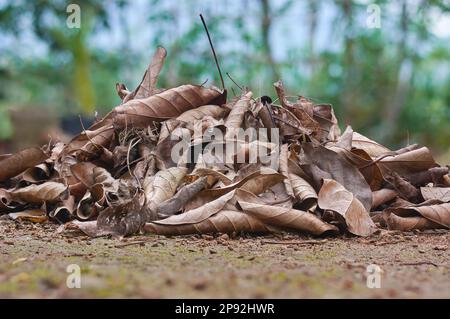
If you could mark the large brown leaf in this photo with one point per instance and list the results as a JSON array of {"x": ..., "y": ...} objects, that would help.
[
  {"x": 49, "y": 192},
  {"x": 333, "y": 196},
  {"x": 438, "y": 213},
  {"x": 395, "y": 222},
  {"x": 199, "y": 214},
  {"x": 408, "y": 163},
  {"x": 19, "y": 162},
  {"x": 165, "y": 105},
  {"x": 340, "y": 170},
  {"x": 288, "y": 218},
  {"x": 225, "y": 221}
]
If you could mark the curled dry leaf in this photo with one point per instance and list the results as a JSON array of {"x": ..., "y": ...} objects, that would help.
[
  {"x": 49, "y": 192},
  {"x": 39, "y": 173},
  {"x": 236, "y": 116},
  {"x": 288, "y": 218},
  {"x": 199, "y": 214},
  {"x": 175, "y": 204},
  {"x": 225, "y": 221},
  {"x": 382, "y": 196},
  {"x": 438, "y": 213},
  {"x": 163, "y": 185},
  {"x": 333, "y": 196},
  {"x": 303, "y": 192},
  {"x": 410, "y": 223},
  {"x": 19, "y": 162}
]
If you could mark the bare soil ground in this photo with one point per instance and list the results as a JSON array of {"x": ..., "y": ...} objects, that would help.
[{"x": 34, "y": 260}]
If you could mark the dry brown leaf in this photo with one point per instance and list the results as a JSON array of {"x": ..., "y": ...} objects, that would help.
[
  {"x": 440, "y": 193},
  {"x": 200, "y": 113},
  {"x": 199, "y": 214},
  {"x": 163, "y": 185},
  {"x": 382, "y": 196},
  {"x": 49, "y": 192},
  {"x": 165, "y": 105},
  {"x": 19, "y": 162},
  {"x": 288, "y": 218},
  {"x": 225, "y": 221},
  {"x": 175, "y": 204},
  {"x": 410, "y": 162},
  {"x": 236, "y": 116},
  {"x": 284, "y": 170},
  {"x": 371, "y": 147},
  {"x": 438, "y": 213},
  {"x": 303, "y": 192},
  {"x": 395, "y": 222},
  {"x": 332, "y": 165},
  {"x": 333, "y": 196},
  {"x": 37, "y": 174}
]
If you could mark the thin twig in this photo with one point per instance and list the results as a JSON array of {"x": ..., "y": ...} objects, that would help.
[
  {"x": 213, "y": 51},
  {"x": 89, "y": 138},
  {"x": 232, "y": 80}
]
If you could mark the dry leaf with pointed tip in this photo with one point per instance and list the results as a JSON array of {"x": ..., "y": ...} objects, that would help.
[
  {"x": 17, "y": 163},
  {"x": 236, "y": 116},
  {"x": 147, "y": 87},
  {"x": 408, "y": 163},
  {"x": 199, "y": 214},
  {"x": 165, "y": 105},
  {"x": 50, "y": 192},
  {"x": 437, "y": 213},
  {"x": 333, "y": 196},
  {"x": 410, "y": 223},
  {"x": 371, "y": 147},
  {"x": 288, "y": 218},
  {"x": 225, "y": 221},
  {"x": 440, "y": 193},
  {"x": 163, "y": 185}
]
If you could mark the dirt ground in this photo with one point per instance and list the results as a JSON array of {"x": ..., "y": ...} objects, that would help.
[{"x": 34, "y": 261}]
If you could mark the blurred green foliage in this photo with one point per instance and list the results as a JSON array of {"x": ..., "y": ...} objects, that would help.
[{"x": 390, "y": 83}]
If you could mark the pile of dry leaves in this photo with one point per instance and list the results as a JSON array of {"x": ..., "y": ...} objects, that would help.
[{"x": 120, "y": 176}]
